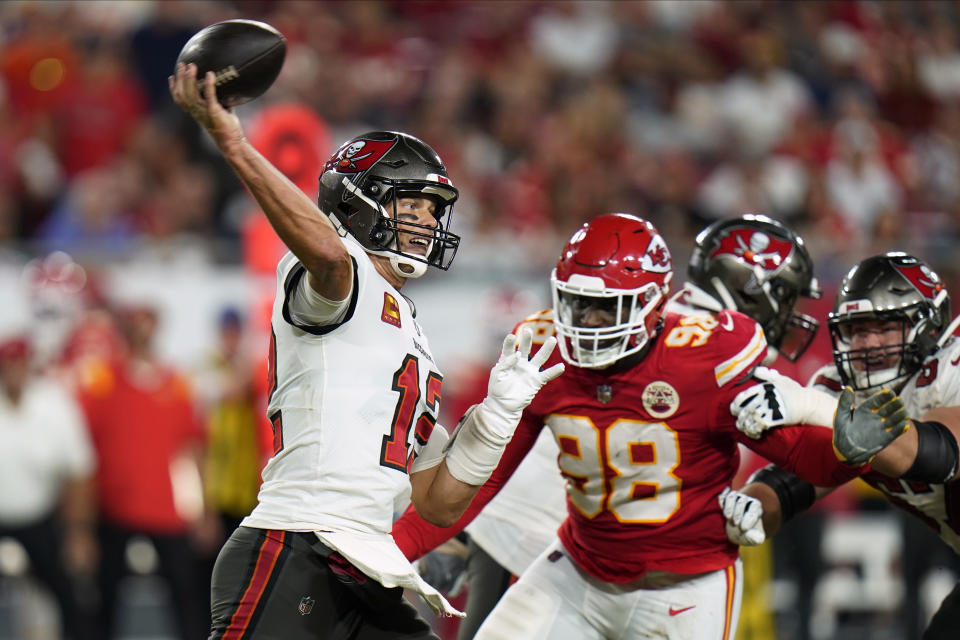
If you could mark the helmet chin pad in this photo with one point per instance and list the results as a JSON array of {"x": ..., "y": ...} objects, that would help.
[{"x": 407, "y": 266}]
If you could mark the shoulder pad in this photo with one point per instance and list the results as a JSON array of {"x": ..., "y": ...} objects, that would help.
[
  {"x": 729, "y": 342},
  {"x": 541, "y": 323}
]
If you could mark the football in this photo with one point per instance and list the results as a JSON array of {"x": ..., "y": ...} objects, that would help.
[{"x": 245, "y": 55}]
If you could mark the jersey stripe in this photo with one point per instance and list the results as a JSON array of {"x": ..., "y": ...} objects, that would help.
[
  {"x": 728, "y": 609},
  {"x": 730, "y": 369},
  {"x": 273, "y": 544}
]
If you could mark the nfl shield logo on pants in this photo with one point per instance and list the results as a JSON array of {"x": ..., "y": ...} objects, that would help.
[{"x": 306, "y": 605}]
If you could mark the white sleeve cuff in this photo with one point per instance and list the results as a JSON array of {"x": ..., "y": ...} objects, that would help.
[{"x": 310, "y": 308}]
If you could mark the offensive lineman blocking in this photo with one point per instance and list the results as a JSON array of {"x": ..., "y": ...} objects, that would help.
[{"x": 891, "y": 326}]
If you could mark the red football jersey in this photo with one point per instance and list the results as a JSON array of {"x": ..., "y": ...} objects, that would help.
[{"x": 647, "y": 450}]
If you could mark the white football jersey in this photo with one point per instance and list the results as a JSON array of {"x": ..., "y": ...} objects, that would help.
[
  {"x": 350, "y": 404},
  {"x": 936, "y": 384}
]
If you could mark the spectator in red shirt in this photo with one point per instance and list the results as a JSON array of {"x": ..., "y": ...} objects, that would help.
[{"x": 145, "y": 432}]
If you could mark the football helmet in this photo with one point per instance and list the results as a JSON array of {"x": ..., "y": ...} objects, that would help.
[
  {"x": 371, "y": 171},
  {"x": 759, "y": 267},
  {"x": 908, "y": 297},
  {"x": 616, "y": 267}
]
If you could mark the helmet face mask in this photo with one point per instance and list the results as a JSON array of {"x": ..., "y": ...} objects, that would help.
[
  {"x": 360, "y": 188},
  {"x": 899, "y": 298},
  {"x": 757, "y": 266},
  {"x": 869, "y": 367},
  {"x": 609, "y": 290}
]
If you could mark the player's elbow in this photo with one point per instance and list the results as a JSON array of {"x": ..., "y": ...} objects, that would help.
[
  {"x": 442, "y": 520},
  {"x": 439, "y": 515}
]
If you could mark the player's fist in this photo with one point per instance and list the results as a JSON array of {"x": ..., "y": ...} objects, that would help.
[{"x": 743, "y": 514}]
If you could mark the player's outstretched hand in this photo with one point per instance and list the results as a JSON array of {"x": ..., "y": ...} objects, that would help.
[
  {"x": 860, "y": 432},
  {"x": 744, "y": 518},
  {"x": 515, "y": 380},
  {"x": 202, "y": 104},
  {"x": 779, "y": 401}
]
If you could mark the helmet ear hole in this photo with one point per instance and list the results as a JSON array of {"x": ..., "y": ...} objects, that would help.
[{"x": 380, "y": 236}]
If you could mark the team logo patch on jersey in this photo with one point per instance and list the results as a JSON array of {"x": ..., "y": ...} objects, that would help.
[
  {"x": 306, "y": 605},
  {"x": 660, "y": 399},
  {"x": 391, "y": 310}
]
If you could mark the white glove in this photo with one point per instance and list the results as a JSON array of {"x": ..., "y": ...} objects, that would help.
[
  {"x": 779, "y": 401},
  {"x": 515, "y": 380},
  {"x": 477, "y": 443},
  {"x": 744, "y": 525}
]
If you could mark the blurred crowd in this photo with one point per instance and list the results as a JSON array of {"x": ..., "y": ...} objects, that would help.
[
  {"x": 840, "y": 118},
  {"x": 103, "y": 443}
]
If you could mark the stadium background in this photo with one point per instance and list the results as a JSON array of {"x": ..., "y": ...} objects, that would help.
[{"x": 841, "y": 119}]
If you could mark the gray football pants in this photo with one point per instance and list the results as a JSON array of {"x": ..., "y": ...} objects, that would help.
[{"x": 271, "y": 584}]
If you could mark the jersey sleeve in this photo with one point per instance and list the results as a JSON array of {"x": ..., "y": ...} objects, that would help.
[
  {"x": 946, "y": 375},
  {"x": 806, "y": 451},
  {"x": 727, "y": 347},
  {"x": 540, "y": 324},
  {"x": 739, "y": 347},
  {"x": 415, "y": 536},
  {"x": 291, "y": 274}
]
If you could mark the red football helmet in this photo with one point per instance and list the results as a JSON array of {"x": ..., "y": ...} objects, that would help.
[{"x": 609, "y": 289}]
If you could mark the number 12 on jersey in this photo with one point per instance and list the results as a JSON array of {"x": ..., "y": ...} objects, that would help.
[{"x": 406, "y": 381}]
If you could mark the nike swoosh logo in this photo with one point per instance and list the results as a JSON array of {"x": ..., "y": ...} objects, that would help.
[
  {"x": 727, "y": 324},
  {"x": 674, "y": 612},
  {"x": 955, "y": 361}
]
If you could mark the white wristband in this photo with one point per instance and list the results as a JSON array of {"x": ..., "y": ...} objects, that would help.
[
  {"x": 474, "y": 449},
  {"x": 820, "y": 408}
]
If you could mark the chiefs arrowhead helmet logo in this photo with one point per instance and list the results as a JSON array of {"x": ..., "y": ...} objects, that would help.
[{"x": 657, "y": 257}]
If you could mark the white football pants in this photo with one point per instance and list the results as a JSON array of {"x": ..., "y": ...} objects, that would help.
[{"x": 555, "y": 600}]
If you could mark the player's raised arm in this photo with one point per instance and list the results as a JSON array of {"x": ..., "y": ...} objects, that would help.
[{"x": 301, "y": 226}]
